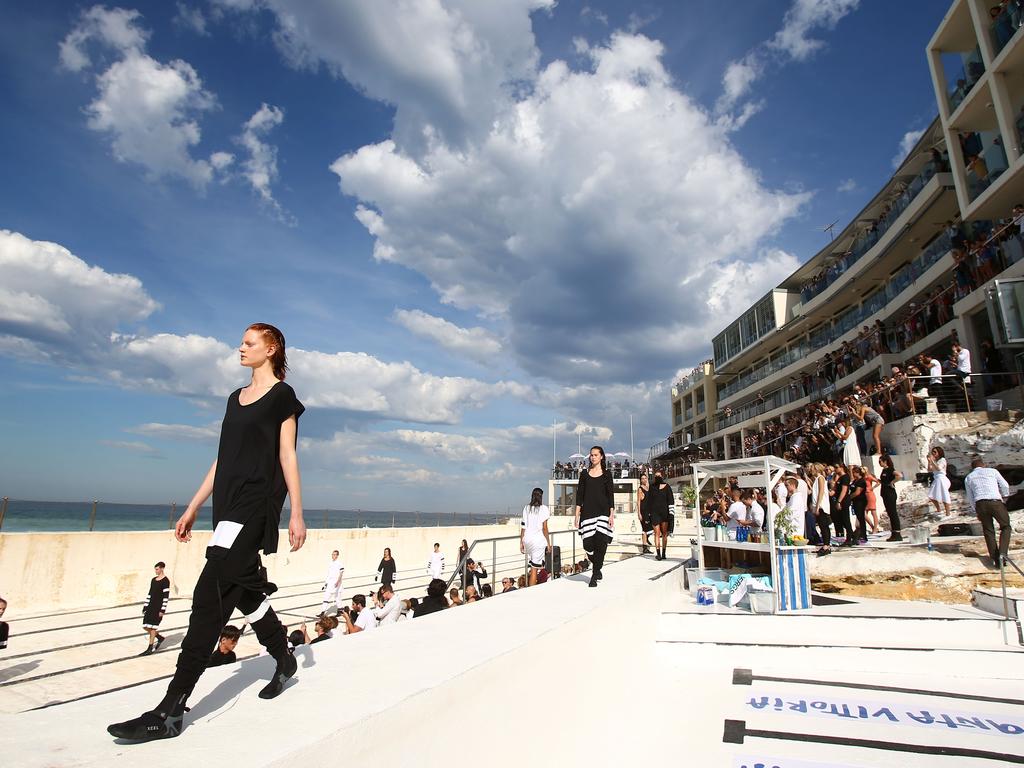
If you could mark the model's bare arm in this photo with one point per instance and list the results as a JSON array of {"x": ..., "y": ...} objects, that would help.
[
  {"x": 183, "y": 528},
  {"x": 290, "y": 467}
]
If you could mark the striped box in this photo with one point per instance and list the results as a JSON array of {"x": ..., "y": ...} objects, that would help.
[{"x": 794, "y": 585}]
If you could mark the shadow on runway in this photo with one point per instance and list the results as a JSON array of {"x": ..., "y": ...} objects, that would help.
[
  {"x": 18, "y": 669},
  {"x": 252, "y": 673}
]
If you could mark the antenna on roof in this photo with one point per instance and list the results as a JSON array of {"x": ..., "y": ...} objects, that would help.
[{"x": 829, "y": 229}]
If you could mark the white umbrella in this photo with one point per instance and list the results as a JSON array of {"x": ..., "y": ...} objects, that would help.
[
  {"x": 623, "y": 455},
  {"x": 577, "y": 456}
]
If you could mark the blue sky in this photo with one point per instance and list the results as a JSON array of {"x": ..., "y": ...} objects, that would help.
[{"x": 471, "y": 220}]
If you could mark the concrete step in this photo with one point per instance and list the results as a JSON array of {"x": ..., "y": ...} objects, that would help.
[{"x": 905, "y": 632}]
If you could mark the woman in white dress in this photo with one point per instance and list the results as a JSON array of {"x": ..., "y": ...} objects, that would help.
[
  {"x": 939, "y": 492},
  {"x": 851, "y": 453}
]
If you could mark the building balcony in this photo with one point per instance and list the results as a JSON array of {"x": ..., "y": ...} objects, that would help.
[
  {"x": 918, "y": 193},
  {"x": 789, "y": 363}
]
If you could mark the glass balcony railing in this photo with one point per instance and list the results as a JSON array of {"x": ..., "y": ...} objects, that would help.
[
  {"x": 852, "y": 318},
  {"x": 700, "y": 408},
  {"x": 1005, "y": 23},
  {"x": 965, "y": 80},
  {"x": 986, "y": 161},
  {"x": 865, "y": 242}
]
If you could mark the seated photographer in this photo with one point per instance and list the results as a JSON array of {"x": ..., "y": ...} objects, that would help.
[
  {"x": 358, "y": 618},
  {"x": 225, "y": 652}
]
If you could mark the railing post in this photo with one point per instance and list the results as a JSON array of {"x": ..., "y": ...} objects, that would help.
[
  {"x": 1002, "y": 581},
  {"x": 494, "y": 561},
  {"x": 92, "y": 516},
  {"x": 171, "y": 515},
  {"x": 325, "y": 518},
  {"x": 3, "y": 511}
]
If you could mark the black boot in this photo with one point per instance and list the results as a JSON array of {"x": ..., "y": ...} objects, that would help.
[
  {"x": 895, "y": 536},
  {"x": 159, "y": 641},
  {"x": 149, "y": 650},
  {"x": 593, "y": 579},
  {"x": 164, "y": 722},
  {"x": 286, "y": 667}
]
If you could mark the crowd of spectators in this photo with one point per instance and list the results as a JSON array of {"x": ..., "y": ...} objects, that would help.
[
  {"x": 571, "y": 470},
  {"x": 980, "y": 252}
]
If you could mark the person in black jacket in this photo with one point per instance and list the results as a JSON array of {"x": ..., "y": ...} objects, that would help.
[
  {"x": 660, "y": 504},
  {"x": 595, "y": 511},
  {"x": 475, "y": 574},
  {"x": 434, "y": 601},
  {"x": 387, "y": 569}
]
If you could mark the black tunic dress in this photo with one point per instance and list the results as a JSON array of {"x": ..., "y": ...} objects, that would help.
[
  {"x": 595, "y": 497},
  {"x": 249, "y": 483},
  {"x": 387, "y": 569},
  {"x": 156, "y": 602}
]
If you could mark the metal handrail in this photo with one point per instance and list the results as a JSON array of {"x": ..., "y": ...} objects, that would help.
[
  {"x": 461, "y": 566},
  {"x": 1003, "y": 560}
]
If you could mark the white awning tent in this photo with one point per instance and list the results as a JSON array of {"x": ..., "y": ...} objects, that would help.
[{"x": 754, "y": 472}]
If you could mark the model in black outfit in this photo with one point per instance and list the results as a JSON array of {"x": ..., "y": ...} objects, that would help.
[
  {"x": 660, "y": 504},
  {"x": 595, "y": 511},
  {"x": 255, "y": 469},
  {"x": 155, "y": 607},
  {"x": 887, "y": 479},
  {"x": 387, "y": 569}
]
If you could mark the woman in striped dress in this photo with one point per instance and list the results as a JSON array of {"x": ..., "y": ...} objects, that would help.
[{"x": 595, "y": 511}]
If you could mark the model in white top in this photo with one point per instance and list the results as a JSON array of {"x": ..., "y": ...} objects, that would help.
[
  {"x": 534, "y": 539},
  {"x": 332, "y": 584},
  {"x": 851, "y": 452},
  {"x": 939, "y": 492},
  {"x": 435, "y": 565}
]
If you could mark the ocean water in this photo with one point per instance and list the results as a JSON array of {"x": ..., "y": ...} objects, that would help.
[{"x": 29, "y": 516}]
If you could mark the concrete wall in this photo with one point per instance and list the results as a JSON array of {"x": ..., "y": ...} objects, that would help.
[{"x": 43, "y": 571}]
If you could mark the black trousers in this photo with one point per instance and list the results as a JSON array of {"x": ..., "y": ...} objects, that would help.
[
  {"x": 889, "y": 499},
  {"x": 234, "y": 579},
  {"x": 596, "y": 549},
  {"x": 841, "y": 519},
  {"x": 824, "y": 521},
  {"x": 990, "y": 511},
  {"x": 862, "y": 529}
]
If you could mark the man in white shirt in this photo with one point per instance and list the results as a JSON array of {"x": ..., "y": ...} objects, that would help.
[
  {"x": 755, "y": 512},
  {"x": 389, "y": 612},
  {"x": 737, "y": 514},
  {"x": 435, "y": 565},
  {"x": 986, "y": 492},
  {"x": 332, "y": 585},
  {"x": 963, "y": 362},
  {"x": 364, "y": 619},
  {"x": 798, "y": 505}
]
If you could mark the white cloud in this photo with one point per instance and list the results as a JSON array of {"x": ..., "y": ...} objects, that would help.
[
  {"x": 116, "y": 28},
  {"x": 847, "y": 185},
  {"x": 907, "y": 143},
  {"x": 577, "y": 220},
  {"x": 146, "y": 107},
  {"x": 442, "y": 64},
  {"x": 474, "y": 343},
  {"x": 792, "y": 42},
  {"x": 134, "y": 446},
  {"x": 804, "y": 18},
  {"x": 260, "y": 167},
  {"x": 53, "y": 302},
  {"x": 191, "y": 18},
  {"x": 206, "y": 433}
]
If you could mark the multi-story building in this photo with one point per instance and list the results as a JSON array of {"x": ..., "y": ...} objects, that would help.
[{"x": 871, "y": 287}]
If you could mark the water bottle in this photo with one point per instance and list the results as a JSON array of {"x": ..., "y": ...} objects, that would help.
[{"x": 930, "y": 547}]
